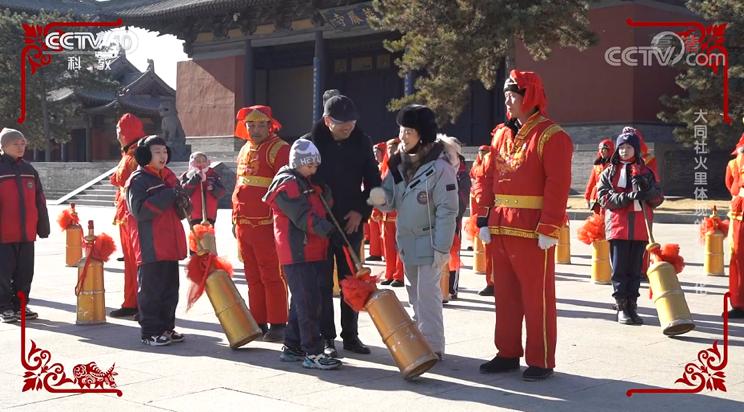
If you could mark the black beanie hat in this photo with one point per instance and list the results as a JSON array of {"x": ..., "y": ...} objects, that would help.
[
  {"x": 421, "y": 118},
  {"x": 631, "y": 139}
]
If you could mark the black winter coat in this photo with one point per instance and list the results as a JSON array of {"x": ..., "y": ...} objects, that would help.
[{"x": 345, "y": 166}]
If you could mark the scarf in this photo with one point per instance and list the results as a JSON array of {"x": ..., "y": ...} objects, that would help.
[{"x": 624, "y": 182}]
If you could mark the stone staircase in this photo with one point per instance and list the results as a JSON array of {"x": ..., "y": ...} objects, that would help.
[{"x": 102, "y": 193}]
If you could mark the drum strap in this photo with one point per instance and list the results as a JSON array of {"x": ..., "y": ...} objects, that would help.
[{"x": 83, "y": 275}]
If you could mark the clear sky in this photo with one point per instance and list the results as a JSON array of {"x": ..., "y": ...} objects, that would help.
[{"x": 164, "y": 50}]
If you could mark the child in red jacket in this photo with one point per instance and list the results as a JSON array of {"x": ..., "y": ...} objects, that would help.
[
  {"x": 211, "y": 185},
  {"x": 302, "y": 234},
  {"x": 158, "y": 204},
  {"x": 23, "y": 216},
  {"x": 627, "y": 189}
]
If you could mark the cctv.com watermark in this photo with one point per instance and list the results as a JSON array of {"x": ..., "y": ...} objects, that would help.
[{"x": 666, "y": 49}]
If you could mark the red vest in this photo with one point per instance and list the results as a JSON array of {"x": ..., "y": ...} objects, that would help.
[{"x": 257, "y": 165}]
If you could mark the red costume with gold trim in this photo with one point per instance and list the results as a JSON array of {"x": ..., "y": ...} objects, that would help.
[
  {"x": 257, "y": 165},
  {"x": 734, "y": 180},
  {"x": 525, "y": 190},
  {"x": 600, "y": 164},
  {"x": 477, "y": 179},
  {"x": 129, "y": 132},
  {"x": 393, "y": 263}
]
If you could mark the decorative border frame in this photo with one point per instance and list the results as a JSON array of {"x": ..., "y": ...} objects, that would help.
[
  {"x": 34, "y": 50},
  {"x": 708, "y": 372},
  {"x": 42, "y": 374}
]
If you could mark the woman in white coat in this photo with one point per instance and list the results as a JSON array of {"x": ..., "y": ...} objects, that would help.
[{"x": 422, "y": 188}]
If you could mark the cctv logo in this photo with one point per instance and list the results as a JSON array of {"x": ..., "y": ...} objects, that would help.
[
  {"x": 73, "y": 41},
  {"x": 667, "y": 48}
]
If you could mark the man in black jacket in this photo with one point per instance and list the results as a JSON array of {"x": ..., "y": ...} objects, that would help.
[{"x": 348, "y": 162}]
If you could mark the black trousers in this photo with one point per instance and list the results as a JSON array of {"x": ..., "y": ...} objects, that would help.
[
  {"x": 303, "y": 329},
  {"x": 16, "y": 273},
  {"x": 627, "y": 261},
  {"x": 349, "y": 318},
  {"x": 157, "y": 297}
]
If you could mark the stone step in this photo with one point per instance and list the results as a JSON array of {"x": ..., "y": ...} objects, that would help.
[{"x": 106, "y": 197}]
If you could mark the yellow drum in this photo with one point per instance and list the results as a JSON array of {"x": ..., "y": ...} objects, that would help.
[
  {"x": 713, "y": 264},
  {"x": 411, "y": 352},
  {"x": 671, "y": 306},
  {"x": 479, "y": 257},
  {"x": 563, "y": 249},
  {"x": 601, "y": 269},
  {"x": 74, "y": 245},
  {"x": 91, "y": 301},
  {"x": 231, "y": 310}
]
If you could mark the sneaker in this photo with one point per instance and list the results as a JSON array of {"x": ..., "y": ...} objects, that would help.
[
  {"x": 9, "y": 316},
  {"x": 386, "y": 282},
  {"x": 123, "y": 312},
  {"x": 292, "y": 354},
  {"x": 174, "y": 336},
  {"x": 30, "y": 314},
  {"x": 162, "y": 340},
  {"x": 329, "y": 348},
  {"x": 275, "y": 333},
  {"x": 397, "y": 284},
  {"x": 487, "y": 291},
  {"x": 534, "y": 373},
  {"x": 320, "y": 361}
]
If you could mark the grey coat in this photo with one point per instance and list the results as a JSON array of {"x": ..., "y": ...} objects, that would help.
[{"x": 427, "y": 205}]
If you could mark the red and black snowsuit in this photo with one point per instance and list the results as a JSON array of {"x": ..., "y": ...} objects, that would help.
[
  {"x": 23, "y": 215},
  {"x": 159, "y": 243},
  {"x": 301, "y": 234}
]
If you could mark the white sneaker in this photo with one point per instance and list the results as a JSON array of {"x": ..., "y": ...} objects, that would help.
[{"x": 320, "y": 361}]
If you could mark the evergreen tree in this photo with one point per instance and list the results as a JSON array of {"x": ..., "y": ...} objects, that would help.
[
  {"x": 704, "y": 89},
  {"x": 451, "y": 43}
]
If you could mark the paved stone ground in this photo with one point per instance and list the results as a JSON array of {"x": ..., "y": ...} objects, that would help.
[{"x": 598, "y": 360}]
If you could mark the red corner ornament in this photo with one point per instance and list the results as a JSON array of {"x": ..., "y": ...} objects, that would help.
[
  {"x": 707, "y": 372},
  {"x": 709, "y": 41},
  {"x": 42, "y": 374},
  {"x": 35, "y": 49}
]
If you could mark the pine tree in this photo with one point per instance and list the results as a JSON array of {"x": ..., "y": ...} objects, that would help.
[
  {"x": 451, "y": 43},
  {"x": 704, "y": 89}
]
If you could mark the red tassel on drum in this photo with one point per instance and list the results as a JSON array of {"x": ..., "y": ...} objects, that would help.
[
  {"x": 668, "y": 253},
  {"x": 198, "y": 231},
  {"x": 67, "y": 218},
  {"x": 103, "y": 247},
  {"x": 592, "y": 229},
  {"x": 711, "y": 224},
  {"x": 357, "y": 290}
]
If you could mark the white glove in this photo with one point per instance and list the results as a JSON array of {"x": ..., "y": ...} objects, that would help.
[
  {"x": 484, "y": 234},
  {"x": 440, "y": 259},
  {"x": 376, "y": 197},
  {"x": 546, "y": 242}
]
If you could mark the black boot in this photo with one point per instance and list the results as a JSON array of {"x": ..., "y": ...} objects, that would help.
[
  {"x": 623, "y": 313},
  {"x": 633, "y": 309},
  {"x": 275, "y": 333},
  {"x": 736, "y": 313}
]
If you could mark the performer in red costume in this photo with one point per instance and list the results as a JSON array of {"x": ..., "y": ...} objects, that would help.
[
  {"x": 477, "y": 174},
  {"x": 734, "y": 182},
  {"x": 393, "y": 263},
  {"x": 376, "y": 246},
  {"x": 522, "y": 209},
  {"x": 129, "y": 131},
  {"x": 604, "y": 152},
  {"x": 259, "y": 160}
]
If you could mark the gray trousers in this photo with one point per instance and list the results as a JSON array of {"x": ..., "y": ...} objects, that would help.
[{"x": 425, "y": 296}]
